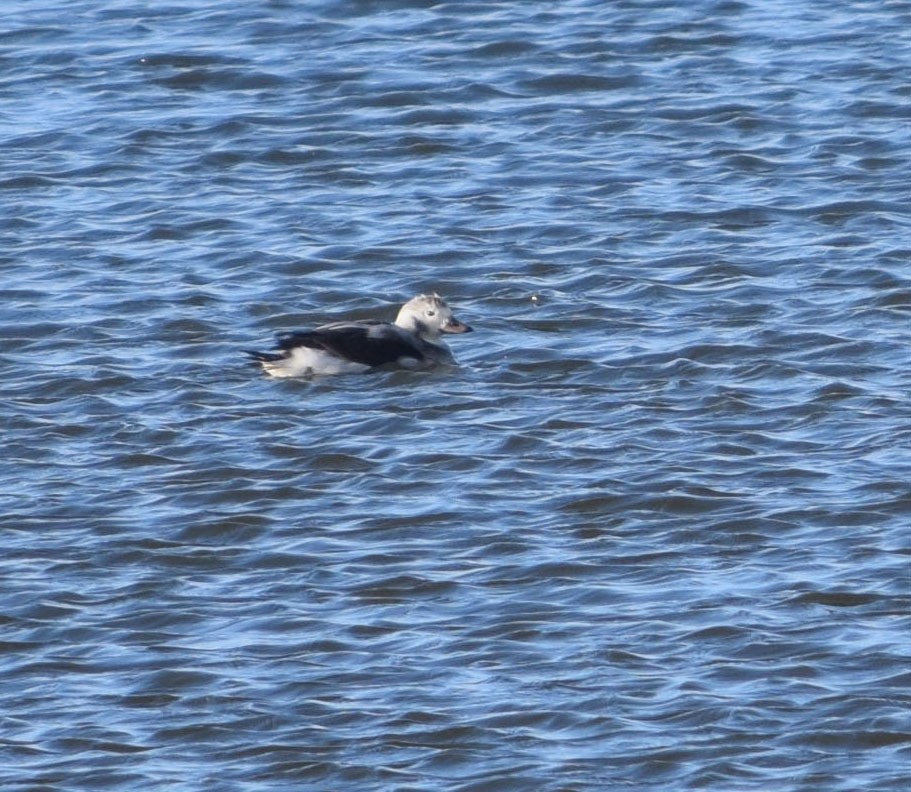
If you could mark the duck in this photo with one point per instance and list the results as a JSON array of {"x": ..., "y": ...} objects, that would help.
[{"x": 412, "y": 341}]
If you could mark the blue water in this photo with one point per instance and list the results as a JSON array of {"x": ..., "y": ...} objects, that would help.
[{"x": 652, "y": 533}]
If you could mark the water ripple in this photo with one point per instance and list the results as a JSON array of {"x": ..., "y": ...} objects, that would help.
[{"x": 650, "y": 533}]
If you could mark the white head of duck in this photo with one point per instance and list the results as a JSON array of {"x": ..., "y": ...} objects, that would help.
[{"x": 427, "y": 316}]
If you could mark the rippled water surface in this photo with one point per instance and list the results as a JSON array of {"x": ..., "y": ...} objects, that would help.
[{"x": 651, "y": 533}]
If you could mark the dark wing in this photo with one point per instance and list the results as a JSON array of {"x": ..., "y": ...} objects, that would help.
[{"x": 370, "y": 343}]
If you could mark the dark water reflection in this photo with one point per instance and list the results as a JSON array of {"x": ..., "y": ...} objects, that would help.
[{"x": 651, "y": 534}]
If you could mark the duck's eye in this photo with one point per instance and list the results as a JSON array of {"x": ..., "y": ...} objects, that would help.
[{"x": 430, "y": 313}]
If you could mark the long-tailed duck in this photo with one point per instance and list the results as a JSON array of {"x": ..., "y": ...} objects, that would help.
[{"x": 412, "y": 341}]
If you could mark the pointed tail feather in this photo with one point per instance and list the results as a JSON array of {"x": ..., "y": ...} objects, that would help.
[{"x": 263, "y": 357}]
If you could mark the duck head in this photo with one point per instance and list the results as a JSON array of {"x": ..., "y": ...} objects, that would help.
[{"x": 428, "y": 315}]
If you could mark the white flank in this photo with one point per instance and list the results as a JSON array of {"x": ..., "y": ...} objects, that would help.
[{"x": 303, "y": 362}]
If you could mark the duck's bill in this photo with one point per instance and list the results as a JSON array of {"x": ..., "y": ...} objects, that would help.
[{"x": 455, "y": 326}]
